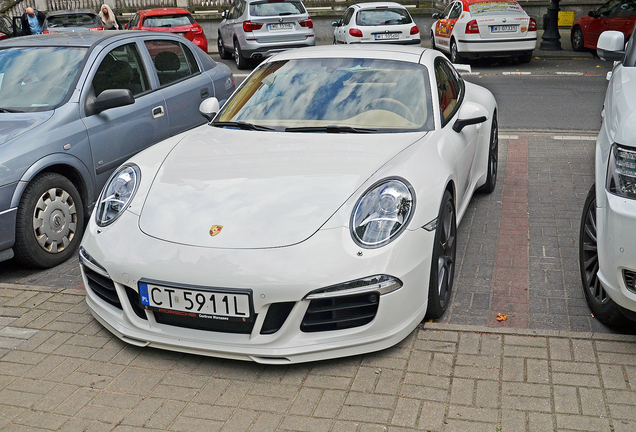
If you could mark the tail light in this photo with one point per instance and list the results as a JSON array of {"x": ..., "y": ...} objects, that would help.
[
  {"x": 414, "y": 30},
  {"x": 533, "y": 25},
  {"x": 197, "y": 30},
  {"x": 48, "y": 31},
  {"x": 248, "y": 26},
  {"x": 355, "y": 32},
  {"x": 472, "y": 27},
  {"x": 307, "y": 23},
  {"x": 96, "y": 28},
  {"x": 3, "y": 35}
]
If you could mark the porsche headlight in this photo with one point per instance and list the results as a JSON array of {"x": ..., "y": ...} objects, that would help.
[
  {"x": 621, "y": 171},
  {"x": 382, "y": 213},
  {"x": 117, "y": 194}
]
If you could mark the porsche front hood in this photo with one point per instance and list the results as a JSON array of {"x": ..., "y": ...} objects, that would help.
[{"x": 259, "y": 189}]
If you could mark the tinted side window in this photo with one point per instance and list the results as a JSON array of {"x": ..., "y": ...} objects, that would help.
[
  {"x": 347, "y": 16},
  {"x": 447, "y": 11},
  {"x": 122, "y": 68},
  {"x": 456, "y": 11},
  {"x": 172, "y": 61},
  {"x": 449, "y": 89}
]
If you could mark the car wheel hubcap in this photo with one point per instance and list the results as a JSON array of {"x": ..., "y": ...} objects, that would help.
[
  {"x": 55, "y": 220},
  {"x": 446, "y": 255},
  {"x": 590, "y": 258}
]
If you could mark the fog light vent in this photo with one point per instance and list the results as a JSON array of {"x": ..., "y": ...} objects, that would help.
[{"x": 630, "y": 280}]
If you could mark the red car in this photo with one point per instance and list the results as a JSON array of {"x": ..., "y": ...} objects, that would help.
[
  {"x": 614, "y": 15},
  {"x": 172, "y": 20}
]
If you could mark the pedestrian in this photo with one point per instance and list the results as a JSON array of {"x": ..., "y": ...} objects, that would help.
[
  {"x": 108, "y": 18},
  {"x": 32, "y": 21}
]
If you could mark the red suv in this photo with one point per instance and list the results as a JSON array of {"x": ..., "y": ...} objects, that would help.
[
  {"x": 614, "y": 15},
  {"x": 172, "y": 20}
]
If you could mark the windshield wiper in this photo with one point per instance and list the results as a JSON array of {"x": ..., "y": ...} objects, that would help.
[
  {"x": 243, "y": 125},
  {"x": 330, "y": 129},
  {"x": 9, "y": 110}
]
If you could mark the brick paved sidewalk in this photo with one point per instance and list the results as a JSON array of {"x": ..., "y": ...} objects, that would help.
[{"x": 60, "y": 370}]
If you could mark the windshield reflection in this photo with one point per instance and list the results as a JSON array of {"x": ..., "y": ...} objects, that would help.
[
  {"x": 381, "y": 95},
  {"x": 37, "y": 78}
]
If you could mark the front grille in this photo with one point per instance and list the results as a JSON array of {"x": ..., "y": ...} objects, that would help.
[
  {"x": 338, "y": 313},
  {"x": 103, "y": 287},
  {"x": 222, "y": 326},
  {"x": 630, "y": 280},
  {"x": 133, "y": 298}
]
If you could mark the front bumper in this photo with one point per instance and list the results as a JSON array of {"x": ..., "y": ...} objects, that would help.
[
  {"x": 275, "y": 276},
  {"x": 616, "y": 230}
]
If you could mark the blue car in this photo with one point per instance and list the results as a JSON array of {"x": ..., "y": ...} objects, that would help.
[{"x": 73, "y": 107}]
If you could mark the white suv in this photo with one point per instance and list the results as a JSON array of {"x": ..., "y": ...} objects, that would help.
[
  {"x": 607, "y": 245},
  {"x": 256, "y": 29}
]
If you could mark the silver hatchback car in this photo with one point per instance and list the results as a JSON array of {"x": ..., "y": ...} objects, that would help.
[{"x": 256, "y": 29}]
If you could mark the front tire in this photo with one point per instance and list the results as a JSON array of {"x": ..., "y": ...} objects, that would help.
[
  {"x": 241, "y": 62},
  {"x": 525, "y": 58},
  {"x": 433, "y": 41},
  {"x": 601, "y": 305},
  {"x": 443, "y": 262},
  {"x": 223, "y": 53},
  {"x": 493, "y": 158},
  {"x": 50, "y": 222},
  {"x": 578, "y": 43}
]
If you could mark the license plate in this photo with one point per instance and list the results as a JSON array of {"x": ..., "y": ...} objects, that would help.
[
  {"x": 383, "y": 36},
  {"x": 503, "y": 29},
  {"x": 281, "y": 26},
  {"x": 196, "y": 303}
]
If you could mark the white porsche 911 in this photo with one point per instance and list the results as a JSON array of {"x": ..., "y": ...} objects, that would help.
[{"x": 314, "y": 217}]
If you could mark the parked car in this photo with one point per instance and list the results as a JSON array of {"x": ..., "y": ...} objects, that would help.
[
  {"x": 619, "y": 15},
  {"x": 171, "y": 20},
  {"x": 379, "y": 22},
  {"x": 314, "y": 217},
  {"x": 471, "y": 29},
  {"x": 72, "y": 21},
  {"x": 607, "y": 253},
  {"x": 74, "y": 106},
  {"x": 6, "y": 27},
  {"x": 257, "y": 29}
]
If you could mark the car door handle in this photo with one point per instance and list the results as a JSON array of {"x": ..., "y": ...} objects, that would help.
[
  {"x": 204, "y": 93},
  {"x": 157, "y": 112}
]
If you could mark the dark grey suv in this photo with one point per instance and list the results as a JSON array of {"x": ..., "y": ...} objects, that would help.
[{"x": 73, "y": 107}]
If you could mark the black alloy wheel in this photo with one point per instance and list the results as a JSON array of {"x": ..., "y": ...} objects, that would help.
[
  {"x": 601, "y": 305},
  {"x": 443, "y": 262},
  {"x": 493, "y": 158}
]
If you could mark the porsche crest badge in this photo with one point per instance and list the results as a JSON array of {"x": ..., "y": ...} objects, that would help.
[{"x": 215, "y": 230}]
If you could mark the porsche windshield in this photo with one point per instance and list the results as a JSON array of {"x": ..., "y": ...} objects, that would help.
[
  {"x": 342, "y": 94},
  {"x": 37, "y": 78}
]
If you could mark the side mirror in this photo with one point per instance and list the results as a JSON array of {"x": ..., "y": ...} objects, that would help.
[
  {"x": 593, "y": 14},
  {"x": 224, "y": 14},
  {"x": 335, "y": 24},
  {"x": 436, "y": 16},
  {"x": 126, "y": 26},
  {"x": 209, "y": 108},
  {"x": 469, "y": 114},
  {"x": 111, "y": 98},
  {"x": 611, "y": 45}
]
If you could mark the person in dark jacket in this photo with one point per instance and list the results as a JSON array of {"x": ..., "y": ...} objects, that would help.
[{"x": 32, "y": 21}]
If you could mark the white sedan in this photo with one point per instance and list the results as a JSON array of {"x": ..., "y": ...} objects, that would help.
[
  {"x": 314, "y": 217},
  {"x": 607, "y": 253},
  {"x": 472, "y": 29},
  {"x": 376, "y": 22}
]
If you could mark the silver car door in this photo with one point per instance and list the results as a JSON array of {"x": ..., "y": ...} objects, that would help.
[
  {"x": 181, "y": 82},
  {"x": 118, "y": 133}
]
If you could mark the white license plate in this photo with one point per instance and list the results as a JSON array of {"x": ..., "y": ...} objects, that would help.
[
  {"x": 503, "y": 29},
  {"x": 281, "y": 26},
  {"x": 383, "y": 36},
  {"x": 197, "y": 303}
]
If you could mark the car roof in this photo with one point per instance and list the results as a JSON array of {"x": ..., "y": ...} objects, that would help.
[
  {"x": 374, "y": 5},
  {"x": 71, "y": 11},
  {"x": 163, "y": 11},
  {"x": 406, "y": 53},
  {"x": 79, "y": 39}
]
